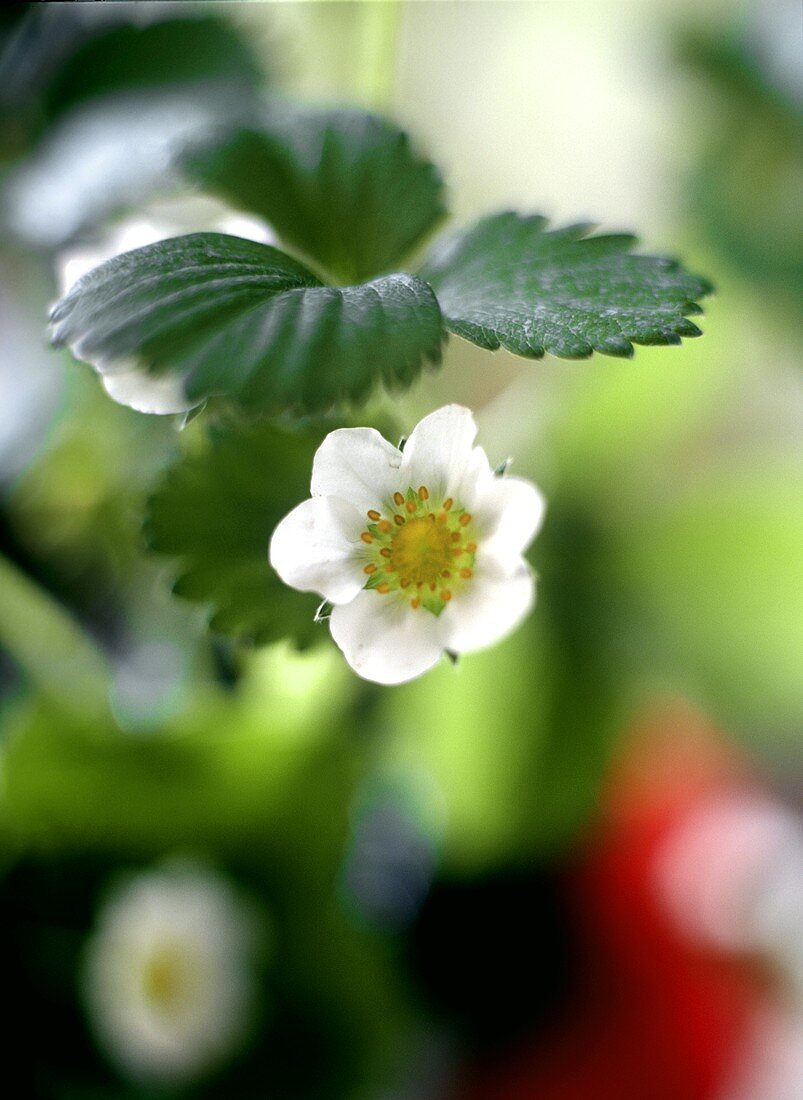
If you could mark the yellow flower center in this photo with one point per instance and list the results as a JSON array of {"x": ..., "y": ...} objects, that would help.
[
  {"x": 165, "y": 978},
  {"x": 419, "y": 549}
]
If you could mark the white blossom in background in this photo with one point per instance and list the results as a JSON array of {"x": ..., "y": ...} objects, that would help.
[
  {"x": 731, "y": 875},
  {"x": 168, "y": 978},
  {"x": 125, "y": 381},
  {"x": 419, "y": 551},
  {"x": 104, "y": 156}
]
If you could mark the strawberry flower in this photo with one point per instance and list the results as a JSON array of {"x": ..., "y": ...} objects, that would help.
[{"x": 419, "y": 552}]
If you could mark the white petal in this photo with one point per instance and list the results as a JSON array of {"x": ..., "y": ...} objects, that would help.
[
  {"x": 358, "y": 465},
  {"x": 316, "y": 548},
  {"x": 385, "y": 640},
  {"x": 147, "y": 393},
  {"x": 475, "y": 482},
  {"x": 509, "y": 513},
  {"x": 439, "y": 450},
  {"x": 488, "y": 608}
]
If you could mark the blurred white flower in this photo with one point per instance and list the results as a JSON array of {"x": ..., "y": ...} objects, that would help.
[
  {"x": 731, "y": 875},
  {"x": 168, "y": 979},
  {"x": 104, "y": 156},
  {"x": 420, "y": 551},
  {"x": 126, "y": 382}
]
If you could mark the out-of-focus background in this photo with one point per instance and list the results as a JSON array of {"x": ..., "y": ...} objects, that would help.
[{"x": 570, "y": 867}]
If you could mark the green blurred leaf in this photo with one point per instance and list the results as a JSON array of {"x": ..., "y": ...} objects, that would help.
[
  {"x": 239, "y": 319},
  {"x": 342, "y": 186},
  {"x": 216, "y": 512},
  {"x": 747, "y": 183},
  {"x": 53, "y": 59},
  {"x": 717, "y": 574},
  {"x": 510, "y": 282},
  {"x": 172, "y": 51}
]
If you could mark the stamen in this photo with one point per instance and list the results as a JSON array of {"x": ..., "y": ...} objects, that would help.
[
  {"x": 366, "y": 536},
  {"x": 404, "y": 582},
  {"x": 374, "y": 515},
  {"x": 458, "y": 553},
  {"x": 423, "y": 492},
  {"x": 398, "y": 520},
  {"x": 471, "y": 547},
  {"x": 446, "y": 595},
  {"x": 370, "y": 568},
  {"x": 456, "y": 536},
  {"x": 410, "y": 506},
  {"x": 416, "y": 602},
  {"x": 398, "y": 498},
  {"x": 385, "y": 526},
  {"x": 447, "y": 504},
  {"x": 432, "y": 586},
  {"x": 384, "y": 588},
  {"x": 442, "y": 517},
  {"x": 466, "y": 573},
  {"x": 446, "y": 573},
  {"x": 385, "y": 552},
  {"x": 465, "y": 519}
]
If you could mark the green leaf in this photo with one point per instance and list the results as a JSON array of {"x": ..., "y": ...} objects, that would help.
[
  {"x": 510, "y": 282},
  {"x": 342, "y": 186},
  {"x": 216, "y": 511},
  {"x": 235, "y": 318},
  {"x": 199, "y": 50}
]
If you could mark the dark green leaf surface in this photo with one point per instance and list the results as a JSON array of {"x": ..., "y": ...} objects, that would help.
[
  {"x": 510, "y": 282},
  {"x": 235, "y": 318},
  {"x": 216, "y": 511},
  {"x": 173, "y": 51},
  {"x": 342, "y": 186}
]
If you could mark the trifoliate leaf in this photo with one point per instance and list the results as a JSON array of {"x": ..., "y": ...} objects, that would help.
[
  {"x": 510, "y": 282},
  {"x": 215, "y": 511},
  {"x": 342, "y": 186},
  {"x": 230, "y": 317}
]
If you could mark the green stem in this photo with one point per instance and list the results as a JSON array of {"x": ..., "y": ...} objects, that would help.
[
  {"x": 48, "y": 645},
  {"x": 377, "y": 55}
]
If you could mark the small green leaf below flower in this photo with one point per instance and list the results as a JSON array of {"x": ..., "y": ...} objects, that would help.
[
  {"x": 509, "y": 282},
  {"x": 215, "y": 512}
]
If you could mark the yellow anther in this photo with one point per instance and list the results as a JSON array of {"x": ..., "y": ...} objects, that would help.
[
  {"x": 446, "y": 595},
  {"x": 446, "y": 573},
  {"x": 370, "y": 568},
  {"x": 384, "y": 588},
  {"x": 415, "y": 602},
  {"x": 374, "y": 515},
  {"x": 442, "y": 517},
  {"x": 466, "y": 573},
  {"x": 456, "y": 536},
  {"x": 410, "y": 506},
  {"x": 471, "y": 547},
  {"x": 432, "y": 586},
  {"x": 423, "y": 493},
  {"x": 399, "y": 498},
  {"x": 385, "y": 526},
  {"x": 385, "y": 552},
  {"x": 465, "y": 519},
  {"x": 366, "y": 536},
  {"x": 404, "y": 582},
  {"x": 447, "y": 504},
  {"x": 398, "y": 520},
  {"x": 458, "y": 553}
]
